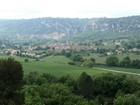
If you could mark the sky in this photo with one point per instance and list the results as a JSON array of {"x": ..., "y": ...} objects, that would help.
[{"x": 25, "y": 9}]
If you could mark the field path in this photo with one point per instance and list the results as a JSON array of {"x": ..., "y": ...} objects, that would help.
[{"x": 111, "y": 70}]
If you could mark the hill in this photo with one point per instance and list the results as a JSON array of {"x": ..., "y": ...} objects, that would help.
[{"x": 57, "y": 28}]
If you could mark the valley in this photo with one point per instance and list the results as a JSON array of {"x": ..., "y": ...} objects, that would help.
[{"x": 67, "y": 61}]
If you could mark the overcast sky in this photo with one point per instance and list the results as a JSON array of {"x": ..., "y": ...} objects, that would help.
[{"x": 23, "y": 9}]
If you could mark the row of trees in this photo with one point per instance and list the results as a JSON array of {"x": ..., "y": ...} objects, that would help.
[
  {"x": 46, "y": 89},
  {"x": 109, "y": 89},
  {"x": 125, "y": 62},
  {"x": 78, "y": 59}
]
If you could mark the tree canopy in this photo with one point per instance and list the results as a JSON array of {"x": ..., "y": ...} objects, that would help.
[{"x": 11, "y": 76}]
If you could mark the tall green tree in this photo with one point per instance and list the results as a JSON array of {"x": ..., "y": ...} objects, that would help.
[
  {"x": 126, "y": 62},
  {"x": 77, "y": 58},
  {"x": 135, "y": 63},
  {"x": 88, "y": 63},
  {"x": 112, "y": 61},
  {"x": 11, "y": 76},
  {"x": 85, "y": 85}
]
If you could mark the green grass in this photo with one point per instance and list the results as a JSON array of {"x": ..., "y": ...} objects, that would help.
[
  {"x": 137, "y": 77},
  {"x": 58, "y": 66},
  {"x": 100, "y": 59},
  {"x": 131, "y": 55},
  {"x": 55, "y": 65},
  {"x": 132, "y": 70}
]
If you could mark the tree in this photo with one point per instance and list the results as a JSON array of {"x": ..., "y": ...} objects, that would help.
[
  {"x": 85, "y": 85},
  {"x": 68, "y": 54},
  {"x": 33, "y": 78},
  {"x": 71, "y": 63},
  {"x": 78, "y": 58},
  {"x": 11, "y": 76},
  {"x": 52, "y": 94},
  {"x": 138, "y": 45},
  {"x": 93, "y": 60},
  {"x": 112, "y": 61},
  {"x": 26, "y": 60},
  {"x": 88, "y": 63},
  {"x": 110, "y": 85},
  {"x": 63, "y": 52},
  {"x": 135, "y": 63},
  {"x": 126, "y": 62},
  {"x": 128, "y": 99}
]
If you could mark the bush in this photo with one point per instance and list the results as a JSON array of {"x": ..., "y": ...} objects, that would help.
[
  {"x": 78, "y": 58},
  {"x": 112, "y": 61},
  {"x": 71, "y": 63},
  {"x": 26, "y": 60},
  {"x": 93, "y": 60},
  {"x": 37, "y": 59},
  {"x": 128, "y": 99},
  {"x": 88, "y": 63}
]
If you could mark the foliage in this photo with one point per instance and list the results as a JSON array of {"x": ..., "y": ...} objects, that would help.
[
  {"x": 108, "y": 85},
  {"x": 71, "y": 63},
  {"x": 126, "y": 62},
  {"x": 11, "y": 76},
  {"x": 36, "y": 78},
  {"x": 135, "y": 63},
  {"x": 93, "y": 60},
  {"x": 26, "y": 60},
  {"x": 88, "y": 63},
  {"x": 85, "y": 85},
  {"x": 112, "y": 61},
  {"x": 128, "y": 99},
  {"x": 46, "y": 89},
  {"x": 68, "y": 54},
  {"x": 77, "y": 58},
  {"x": 49, "y": 90},
  {"x": 51, "y": 94}
]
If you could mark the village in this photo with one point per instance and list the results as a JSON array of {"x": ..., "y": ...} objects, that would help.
[{"x": 107, "y": 48}]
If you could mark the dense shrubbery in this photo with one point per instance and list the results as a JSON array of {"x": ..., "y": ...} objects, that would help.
[
  {"x": 77, "y": 58},
  {"x": 125, "y": 62},
  {"x": 88, "y": 63},
  {"x": 71, "y": 63},
  {"x": 112, "y": 61},
  {"x": 46, "y": 89},
  {"x": 11, "y": 76}
]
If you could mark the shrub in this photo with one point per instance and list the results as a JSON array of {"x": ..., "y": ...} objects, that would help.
[
  {"x": 26, "y": 60},
  {"x": 71, "y": 63}
]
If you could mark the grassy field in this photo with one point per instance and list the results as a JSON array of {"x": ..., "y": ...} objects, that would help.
[
  {"x": 56, "y": 65},
  {"x": 98, "y": 58},
  {"x": 123, "y": 69},
  {"x": 102, "y": 59}
]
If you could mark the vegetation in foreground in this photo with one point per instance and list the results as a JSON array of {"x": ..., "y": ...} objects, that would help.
[
  {"x": 46, "y": 89},
  {"x": 11, "y": 78}
]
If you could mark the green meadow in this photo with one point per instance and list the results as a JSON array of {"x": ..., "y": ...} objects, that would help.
[
  {"x": 58, "y": 66},
  {"x": 55, "y": 65},
  {"x": 101, "y": 59}
]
